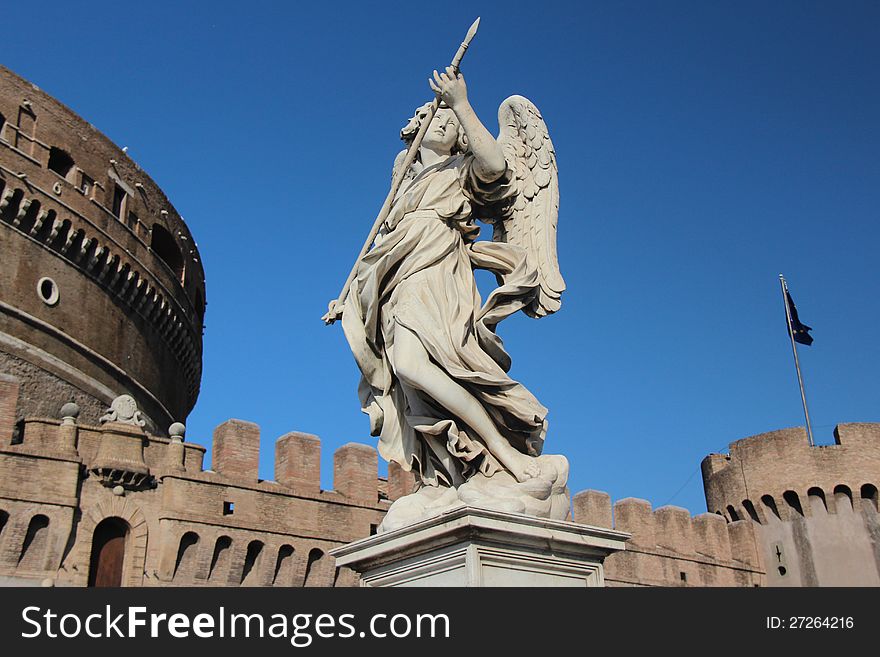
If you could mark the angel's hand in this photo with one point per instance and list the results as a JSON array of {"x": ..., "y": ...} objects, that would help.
[
  {"x": 450, "y": 87},
  {"x": 334, "y": 312}
]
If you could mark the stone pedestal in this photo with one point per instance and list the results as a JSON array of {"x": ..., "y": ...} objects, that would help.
[{"x": 470, "y": 546}]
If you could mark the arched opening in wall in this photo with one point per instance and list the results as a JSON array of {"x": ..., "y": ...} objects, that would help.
[
  {"x": 186, "y": 556},
  {"x": 36, "y": 541},
  {"x": 770, "y": 504},
  {"x": 843, "y": 501},
  {"x": 43, "y": 224},
  {"x": 251, "y": 571},
  {"x": 793, "y": 501},
  {"x": 77, "y": 244},
  {"x": 58, "y": 234},
  {"x": 750, "y": 509},
  {"x": 816, "y": 500},
  {"x": 284, "y": 566},
  {"x": 344, "y": 577},
  {"x": 4, "y": 518},
  {"x": 313, "y": 568},
  {"x": 121, "y": 281},
  {"x": 2, "y": 125},
  {"x": 60, "y": 162},
  {"x": 220, "y": 559},
  {"x": 869, "y": 497},
  {"x": 107, "y": 562},
  {"x": 27, "y": 215},
  {"x": 732, "y": 514},
  {"x": 10, "y": 211},
  {"x": 163, "y": 245}
]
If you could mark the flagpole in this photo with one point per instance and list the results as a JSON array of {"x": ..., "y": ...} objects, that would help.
[{"x": 797, "y": 364}]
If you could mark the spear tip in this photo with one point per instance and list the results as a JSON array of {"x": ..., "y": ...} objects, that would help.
[{"x": 473, "y": 30}]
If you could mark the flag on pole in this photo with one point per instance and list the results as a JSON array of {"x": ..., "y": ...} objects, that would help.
[{"x": 799, "y": 331}]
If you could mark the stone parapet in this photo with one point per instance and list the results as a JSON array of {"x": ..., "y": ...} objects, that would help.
[
  {"x": 749, "y": 482},
  {"x": 669, "y": 547}
]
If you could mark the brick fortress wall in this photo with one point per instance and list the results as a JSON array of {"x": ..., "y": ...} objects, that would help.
[
  {"x": 224, "y": 527},
  {"x": 185, "y": 525},
  {"x": 815, "y": 509},
  {"x": 60, "y": 479},
  {"x": 669, "y": 547}
]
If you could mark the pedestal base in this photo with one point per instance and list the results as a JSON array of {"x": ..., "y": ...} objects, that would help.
[{"x": 469, "y": 546}]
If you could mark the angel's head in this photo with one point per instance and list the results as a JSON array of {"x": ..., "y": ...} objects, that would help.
[{"x": 444, "y": 135}]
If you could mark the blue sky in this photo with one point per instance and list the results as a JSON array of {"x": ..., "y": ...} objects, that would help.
[{"x": 703, "y": 148}]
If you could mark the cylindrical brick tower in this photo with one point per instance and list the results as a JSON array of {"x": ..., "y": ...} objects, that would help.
[
  {"x": 815, "y": 507},
  {"x": 102, "y": 290}
]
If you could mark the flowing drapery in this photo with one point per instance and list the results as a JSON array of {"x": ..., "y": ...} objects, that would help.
[{"x": 419, "y": 277}]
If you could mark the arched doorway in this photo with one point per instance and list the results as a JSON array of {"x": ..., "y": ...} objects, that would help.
[{"x": 108, "y": 553}]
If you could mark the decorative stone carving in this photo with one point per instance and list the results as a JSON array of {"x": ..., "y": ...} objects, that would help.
[
  {"x": 123, "y": 409},
  {"x": 120, "y": 457},
  {"x": 435, "y": 382}
]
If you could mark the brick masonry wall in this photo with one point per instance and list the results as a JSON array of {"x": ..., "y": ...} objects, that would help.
[
  {"x": 125, "y": 320},
  {"x": 815, "y": 508},
  {"x": 189, "y": 527},
  {"x": 236, "y": 452},
  {"x": 9, "y": 391},
  {"x": 669, "y": 547}
]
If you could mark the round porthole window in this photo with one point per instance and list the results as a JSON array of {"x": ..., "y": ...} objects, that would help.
[{"x": 47, "y": 289}]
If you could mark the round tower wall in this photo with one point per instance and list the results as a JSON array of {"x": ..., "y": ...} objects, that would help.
[
  {"x": 105, "y": 289},
  {"x": 816, "y": 505}
]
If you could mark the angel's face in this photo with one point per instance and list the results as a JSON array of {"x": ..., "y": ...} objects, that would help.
[{"x": 442, "y": 134}]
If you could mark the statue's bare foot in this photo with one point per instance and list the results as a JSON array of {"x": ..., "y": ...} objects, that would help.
[{"x": 521, "y": 466}]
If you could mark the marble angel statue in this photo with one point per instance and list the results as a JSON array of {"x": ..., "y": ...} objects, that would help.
[{"x": 434, "y": 371}]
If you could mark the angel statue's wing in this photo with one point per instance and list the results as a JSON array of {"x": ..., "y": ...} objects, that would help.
[{"x": 531, "y": 222}]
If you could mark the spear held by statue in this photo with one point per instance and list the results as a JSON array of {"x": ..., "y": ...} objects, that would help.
[{"x": 336, "y": 307}]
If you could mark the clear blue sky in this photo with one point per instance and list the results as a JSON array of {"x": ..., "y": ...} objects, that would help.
[{"x": 703, "y": 147}]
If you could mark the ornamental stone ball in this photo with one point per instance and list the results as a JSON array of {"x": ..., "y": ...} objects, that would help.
[
  {"x": 70, "y": 410},
  {"x": 177, "y": 431}
]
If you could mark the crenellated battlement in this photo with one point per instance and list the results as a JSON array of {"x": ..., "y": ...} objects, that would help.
[
  {"x": 752, "y": 482},
  {"x": 669, "y": 547},
  {"x": 235, "y": 455},
  {"x": 222, "y": 526},
  {"x": 225, "y": 526}
]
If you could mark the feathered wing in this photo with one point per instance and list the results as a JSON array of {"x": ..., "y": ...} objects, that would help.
[{"x": 531, "y": 222}]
